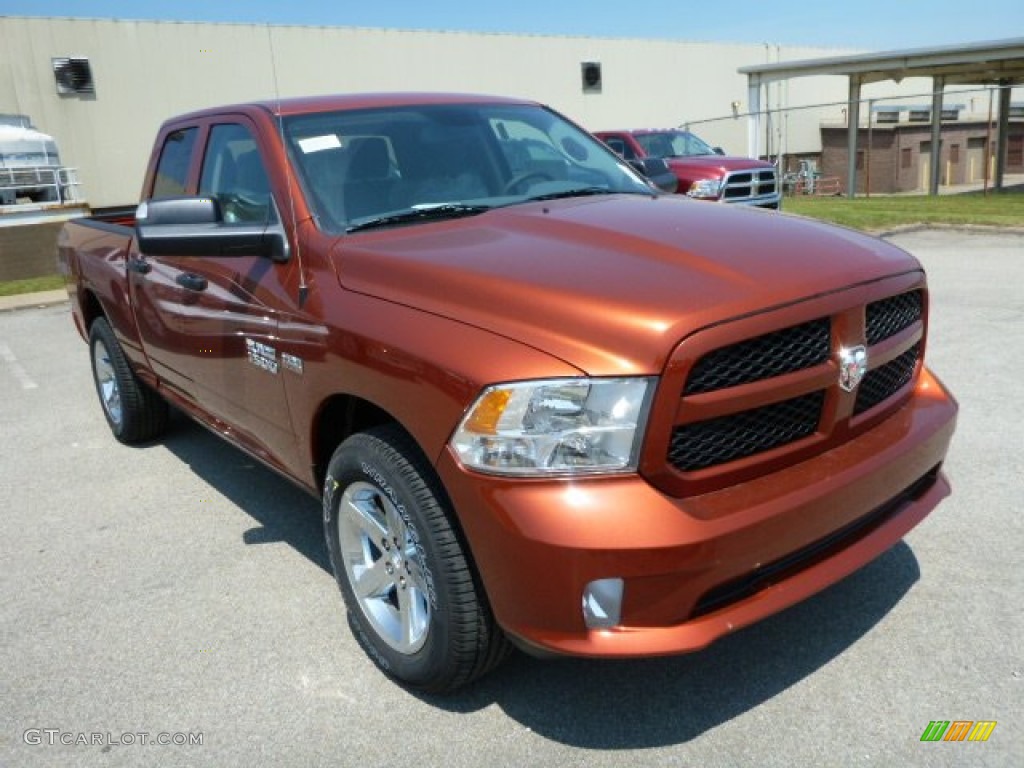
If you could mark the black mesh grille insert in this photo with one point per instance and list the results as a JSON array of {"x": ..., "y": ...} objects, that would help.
[
  {"x": 882, "y": 383},
  {"x": 785, "y": 351},
  {"x": 736, "y": 436},
  {"x": 888, "y": 317}
]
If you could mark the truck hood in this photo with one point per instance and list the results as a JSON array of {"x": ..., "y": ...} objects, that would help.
[
  {"x": 712, "y": 166},
  {"x": 610, "y": 284}
]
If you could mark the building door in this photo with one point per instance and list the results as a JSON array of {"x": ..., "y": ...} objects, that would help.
[
  {"x": 976, "y": 159},
  {"x": 925, "y": 164}
]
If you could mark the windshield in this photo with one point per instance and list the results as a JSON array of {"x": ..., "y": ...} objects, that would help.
[
  {"x": 674, "y": 144},
  {"x": 405, "y": 165}
]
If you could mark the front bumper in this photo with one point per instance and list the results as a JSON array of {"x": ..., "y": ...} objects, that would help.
[
  {"x": 774, "y": 202},
  {"x": 699, "y": 567}
]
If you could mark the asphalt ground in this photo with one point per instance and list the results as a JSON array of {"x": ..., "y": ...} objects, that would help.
[{"x": 178, "y": 588}]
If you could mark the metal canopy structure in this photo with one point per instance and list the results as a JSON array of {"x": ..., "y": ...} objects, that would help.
[{"x": 997, "y": 63}]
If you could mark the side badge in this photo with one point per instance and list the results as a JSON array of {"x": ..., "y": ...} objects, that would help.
[
  {"x": 261, "y": 355},
  {"x": 292, "y": 363}
]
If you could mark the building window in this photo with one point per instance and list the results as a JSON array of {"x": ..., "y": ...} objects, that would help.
[
  {"x": 920, "y": 115},
  {"x": 906, "y": 158},
  {"x": 860, "y": 159},
  {"x": 887, "y": 116},
  {"x": 954, "y": 153}
]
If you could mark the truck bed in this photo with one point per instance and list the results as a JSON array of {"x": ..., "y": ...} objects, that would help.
[{"x": 102, "y": 240}]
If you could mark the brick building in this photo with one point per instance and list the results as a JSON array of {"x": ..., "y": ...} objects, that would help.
[
  {"x": 899, "y": 160},
  {"x": 997, "y": 66}
]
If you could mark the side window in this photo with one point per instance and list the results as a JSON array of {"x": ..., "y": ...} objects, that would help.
[
  {"x": 234, "y": 174},
  {"x": 618, "y": 146},
  {"x": 172, "y": 170}
]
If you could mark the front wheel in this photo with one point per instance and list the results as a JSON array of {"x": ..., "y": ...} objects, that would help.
[{"x": 413, "y": 601}]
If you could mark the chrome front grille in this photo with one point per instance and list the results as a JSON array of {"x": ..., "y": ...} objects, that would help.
[{"x": 746, "y": 185}]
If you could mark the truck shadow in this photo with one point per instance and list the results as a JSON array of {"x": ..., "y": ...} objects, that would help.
[
  {"x": 285, "y": 513},
  {"x": 597, "y": 704},
  {"x": 659, "y": 702}
]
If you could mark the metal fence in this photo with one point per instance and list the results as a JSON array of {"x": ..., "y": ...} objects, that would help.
[{"x": 809, "y": 143}]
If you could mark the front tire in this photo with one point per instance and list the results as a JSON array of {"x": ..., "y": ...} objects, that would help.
[
  {"x": 413, "y": 601},
  {"x": 134, "y": 412}
]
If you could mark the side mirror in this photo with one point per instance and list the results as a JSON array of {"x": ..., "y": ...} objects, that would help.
[
  {"x": 656, "y": 170},
  {"x": 719, "y": 151},
  {"x": 178, "y": 210},
  {"x": 194, "y": 226}
]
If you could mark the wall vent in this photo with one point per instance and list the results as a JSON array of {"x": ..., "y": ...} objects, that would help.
[
  {"x": 73, "y": 75},
  {"x": 591, "y": 74}
]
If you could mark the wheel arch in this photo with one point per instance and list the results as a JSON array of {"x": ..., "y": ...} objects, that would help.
[
  {"x": 338, "y": 417},
  {"x": 91, "y": 308},
  {"x": 343, "y": 415}
]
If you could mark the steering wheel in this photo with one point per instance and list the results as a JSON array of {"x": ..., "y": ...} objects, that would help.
[{"x": 518, "y": 179}]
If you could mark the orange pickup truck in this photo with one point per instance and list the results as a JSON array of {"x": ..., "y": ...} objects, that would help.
[{"x": 543, "y": 404}]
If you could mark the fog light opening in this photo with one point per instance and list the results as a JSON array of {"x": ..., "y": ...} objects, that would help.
[{"x": 602, "y": 603}]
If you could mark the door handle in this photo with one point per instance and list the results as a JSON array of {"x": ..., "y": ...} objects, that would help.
[
  {"x": 191, "y": 282},
  {"x": 139, "y": 265}
]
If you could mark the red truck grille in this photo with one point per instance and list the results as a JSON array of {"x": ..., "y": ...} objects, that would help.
[{"x": 777, "y": 395}]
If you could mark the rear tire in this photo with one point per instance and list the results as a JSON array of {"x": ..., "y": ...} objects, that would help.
[
  {"x": 414, "y": 603},
  {"x": 134, "y": 412}
]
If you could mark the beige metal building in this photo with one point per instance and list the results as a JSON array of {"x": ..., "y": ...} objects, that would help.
[{"x": 143, "y": 72}]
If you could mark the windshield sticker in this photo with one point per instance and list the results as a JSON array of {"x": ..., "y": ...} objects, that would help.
[
  {"x": 319, "y": 143},
  {"x": 261, "y": 355}
]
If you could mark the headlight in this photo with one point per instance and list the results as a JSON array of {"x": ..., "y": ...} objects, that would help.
[
  {"x": 705, "y": 188},
  {"x": 557, "y": 426}
]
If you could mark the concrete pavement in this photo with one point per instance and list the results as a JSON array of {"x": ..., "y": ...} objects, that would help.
[{"x": 178, "y": 588}]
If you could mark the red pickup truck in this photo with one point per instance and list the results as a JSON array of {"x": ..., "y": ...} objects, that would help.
[
  {"x": 703, "y": 172},
  {"x": 542, "y": 403}
]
